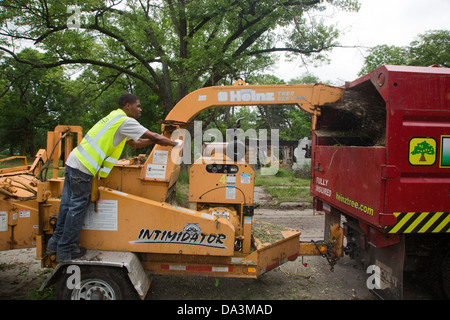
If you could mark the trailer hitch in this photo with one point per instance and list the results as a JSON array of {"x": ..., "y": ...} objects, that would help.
[
  {"x": 333, "y": 245},
  {"x": 330, "y": 255}
]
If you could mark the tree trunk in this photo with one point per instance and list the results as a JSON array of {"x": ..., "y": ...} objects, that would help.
[{"x": 23, "y": 147}]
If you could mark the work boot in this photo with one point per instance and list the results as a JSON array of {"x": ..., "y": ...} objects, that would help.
[
  {"x": 77, "y": 253},
  {"x": 50, "y": 252},
  {"x": 51, "y": 247}
]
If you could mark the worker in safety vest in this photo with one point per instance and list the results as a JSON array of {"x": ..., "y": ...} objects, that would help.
[{"x": 97, "y": 153}]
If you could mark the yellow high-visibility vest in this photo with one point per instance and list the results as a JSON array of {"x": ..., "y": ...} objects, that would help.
[{"x": 96, "y": 151}]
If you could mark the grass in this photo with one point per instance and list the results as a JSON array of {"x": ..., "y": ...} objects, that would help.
[
  {"x": 46, "y": 294},
  {"x": 283, "y": 177},
  {"x": 182, "y": 189},
  {"x": 6, "y": 266},
  {"x": 18, "y": 163},
  {"x": 285, "y": 186},
  {"x": 289, "y": 194},
  {"x": 13, "y": 162}
]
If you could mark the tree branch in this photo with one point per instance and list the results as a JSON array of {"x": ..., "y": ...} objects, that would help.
[
  {"x": 80, "y": 61},
  {"x": 295, "y": 50},
  {"x": 127, "y": 47}
]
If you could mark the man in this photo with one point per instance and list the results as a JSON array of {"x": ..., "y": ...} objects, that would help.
[{"x": 97, "y": 153}]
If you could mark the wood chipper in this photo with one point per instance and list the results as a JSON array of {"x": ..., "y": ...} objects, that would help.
[{"x": 131, "y": 230}]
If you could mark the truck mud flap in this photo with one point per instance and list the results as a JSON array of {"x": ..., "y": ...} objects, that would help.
[
  {"x": 268, "y": 256},
  {"x": 386, "y": 279}
]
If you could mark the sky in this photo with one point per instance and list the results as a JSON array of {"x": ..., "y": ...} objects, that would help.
[{"x": 391, "y": 22}]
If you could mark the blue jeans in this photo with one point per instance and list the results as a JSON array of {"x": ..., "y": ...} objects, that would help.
[{"x": 72, "y": 209}]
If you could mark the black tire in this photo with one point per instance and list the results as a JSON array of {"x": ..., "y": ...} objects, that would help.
[{"x": 96, "y": 283}]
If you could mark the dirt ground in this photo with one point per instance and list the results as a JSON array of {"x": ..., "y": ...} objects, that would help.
[
  {"x": 307, "y": 278},
  {"x": 20, "y": 274}
]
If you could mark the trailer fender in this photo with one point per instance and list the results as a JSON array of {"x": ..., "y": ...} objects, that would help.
[{"x": 119, "y": 259}]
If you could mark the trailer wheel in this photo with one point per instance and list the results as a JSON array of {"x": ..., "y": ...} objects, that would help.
[{"x": 96, "y": 283}]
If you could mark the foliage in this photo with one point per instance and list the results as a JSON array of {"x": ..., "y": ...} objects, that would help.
[
  {"x": 32, "y": 103},
  {"x": 430, "y": 48},
  {"x": 384, "y": 54},
  {"x": 171, "y": 46},
  {"x": 80, "y": 56}
]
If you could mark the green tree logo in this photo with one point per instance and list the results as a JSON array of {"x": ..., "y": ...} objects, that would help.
[
  {"x": 422, "y": 151},
  {"x": 423, "y": 148}
]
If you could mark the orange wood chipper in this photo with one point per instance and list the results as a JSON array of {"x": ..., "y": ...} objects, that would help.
[{"x": 132, "y": 231}]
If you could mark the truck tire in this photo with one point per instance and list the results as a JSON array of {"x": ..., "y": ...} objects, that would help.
[{"x": 96, "y": 283}]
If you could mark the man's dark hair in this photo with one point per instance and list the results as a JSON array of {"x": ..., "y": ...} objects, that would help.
[{"x": 127, "y": 98}]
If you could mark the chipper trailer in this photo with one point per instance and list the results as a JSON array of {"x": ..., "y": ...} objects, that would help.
[{"x": 132, "y": 231}]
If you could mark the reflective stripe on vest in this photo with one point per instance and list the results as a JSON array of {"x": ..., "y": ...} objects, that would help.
[
  {"x": 109, "y": 162},
  {"x": 96, "y": 150}
]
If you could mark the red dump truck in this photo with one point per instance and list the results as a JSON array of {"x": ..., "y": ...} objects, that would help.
[{"x": 385, "y": 170}]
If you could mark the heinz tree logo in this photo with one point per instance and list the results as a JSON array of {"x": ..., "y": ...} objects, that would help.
[{"x": 245, "y": 95}]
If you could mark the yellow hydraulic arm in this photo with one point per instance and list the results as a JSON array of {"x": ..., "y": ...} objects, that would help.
[{"x": 308, "y": 97}]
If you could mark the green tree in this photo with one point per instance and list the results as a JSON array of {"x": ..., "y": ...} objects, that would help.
[
  {"x": 384, "y": 54},
  {"x": 31, "y": 105},
  {"x": 423, "y": 148},
  {"x": 430, "y": 48},
  {"x": 94, "y": 93},
  {"x": 172, "y": 46}
]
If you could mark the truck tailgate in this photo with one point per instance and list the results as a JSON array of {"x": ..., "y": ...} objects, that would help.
[{"x": 350, "y": 178}]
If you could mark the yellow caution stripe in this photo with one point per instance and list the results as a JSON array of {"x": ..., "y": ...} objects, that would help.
[{"x": 421, "y": 222}]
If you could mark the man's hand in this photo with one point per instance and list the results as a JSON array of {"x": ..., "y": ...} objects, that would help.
[
  {"x": 179, "y": 142},
  {"x": 153, "y": 138}
]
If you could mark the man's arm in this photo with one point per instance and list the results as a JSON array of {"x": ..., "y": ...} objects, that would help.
[{"x": 149, "y": 138}]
